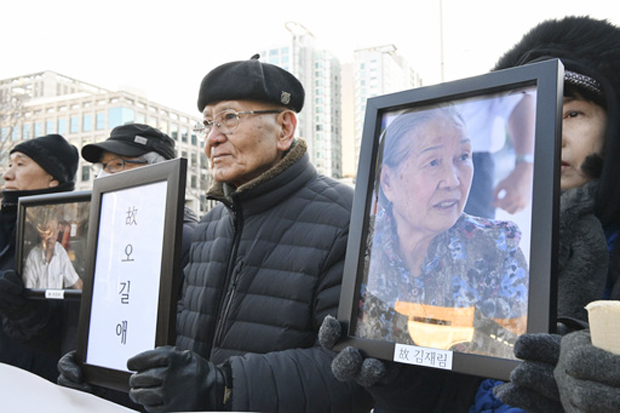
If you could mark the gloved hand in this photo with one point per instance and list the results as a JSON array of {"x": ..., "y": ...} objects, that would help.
[
  {"x": 169, "y": 379},
  {"x": 12, "y": 299},
  {"x": 394, "y": 386},
  {"x": 350, "y": 364},
  {"x": 532, "y": 386},
  {"x": 71, "y": 373},
  {"x": 588, "y": 377}
]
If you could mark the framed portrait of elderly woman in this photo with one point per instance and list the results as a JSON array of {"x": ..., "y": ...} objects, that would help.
[
  {"x": 133, "y": 269},
  {"x": 451, "y": 252},
  {"x": 51, "y": 244}
]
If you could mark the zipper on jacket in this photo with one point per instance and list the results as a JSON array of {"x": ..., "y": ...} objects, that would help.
[
  {"x": 232, "y": 289},
  {"x": 231, "y": 283}
]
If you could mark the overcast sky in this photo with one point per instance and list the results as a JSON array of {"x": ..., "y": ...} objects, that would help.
[{"x": 165, "y": 47}]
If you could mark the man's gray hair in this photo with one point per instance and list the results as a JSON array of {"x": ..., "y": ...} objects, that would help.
[{"x": 153, "y": 157}]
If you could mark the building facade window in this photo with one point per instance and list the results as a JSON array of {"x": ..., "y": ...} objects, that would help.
[
  {"x": 26, "y": 128},
  {"x": 119, "y": 116},
  {"x": 38, "y": 129},
  {"x": 74, "y": 124},
  {"x": 87, "y": 123},
  {"x": 85, "y": 173},
  {"x": 49, "y": 127},
  {"x": 100, "y": 121},
  {"x": 62, "y": 126}
]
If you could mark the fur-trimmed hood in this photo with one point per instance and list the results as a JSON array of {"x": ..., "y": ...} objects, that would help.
[
  {"x": 582, "y": 43},
  {"x": 583, "y": 256},
  {"x": 587, "y": 47}
]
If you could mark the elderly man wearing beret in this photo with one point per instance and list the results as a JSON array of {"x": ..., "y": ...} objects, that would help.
[{"x": 265, "y": 264}]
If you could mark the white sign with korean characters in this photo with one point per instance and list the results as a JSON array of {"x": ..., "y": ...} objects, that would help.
[{"x": 127, "y": 275}]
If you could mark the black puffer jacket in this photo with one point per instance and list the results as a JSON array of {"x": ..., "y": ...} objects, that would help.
[{"x": 265, "y": 269}]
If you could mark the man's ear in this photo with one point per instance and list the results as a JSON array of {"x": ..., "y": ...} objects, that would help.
[
  {"x": 53, "y": 183},
  {"x": 288, "y": 122}
]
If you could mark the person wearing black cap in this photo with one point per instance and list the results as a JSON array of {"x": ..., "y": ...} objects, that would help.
[
  {"x": 588, "y": 379},
  {"x": 265, "y": 266},
  {"x": 132, "y": 146},
  {"x": 38, "y": 166},
  {"x": 129, "y": 146}
]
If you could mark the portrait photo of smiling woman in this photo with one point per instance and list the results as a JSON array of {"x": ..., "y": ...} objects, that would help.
[{"x": 437, "y": 276}]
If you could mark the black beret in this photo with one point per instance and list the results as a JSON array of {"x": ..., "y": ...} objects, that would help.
[
  {"x": 251, "y": 80},
  {"x": 54, "y": 154},
  {"x": 134, "y": 139}
]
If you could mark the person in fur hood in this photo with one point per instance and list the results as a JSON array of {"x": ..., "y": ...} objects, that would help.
[{"x": 563, "y": 371}]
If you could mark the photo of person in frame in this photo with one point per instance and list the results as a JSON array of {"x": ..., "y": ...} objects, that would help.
[
  {"x": 436, "y": 276},
  {"x": 48, "y": 265}
]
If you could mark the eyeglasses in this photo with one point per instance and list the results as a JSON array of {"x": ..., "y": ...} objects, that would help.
[
  {"x": 115, "y": 165},
  {"x": 227, "y": 121}
]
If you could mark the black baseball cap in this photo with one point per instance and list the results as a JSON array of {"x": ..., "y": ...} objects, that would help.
[{"x": 132, "y": 140}]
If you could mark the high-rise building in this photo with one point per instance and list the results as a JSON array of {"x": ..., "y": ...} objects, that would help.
[
  {"x": 47, "y": 102},
  {"x": 319, "y": 72},
  {"x": 377, "y": 71}
]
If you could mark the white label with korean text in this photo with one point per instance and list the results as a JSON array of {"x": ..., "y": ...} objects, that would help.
[
  {"x": 423, "y": 356},
  {"x": 55, "y": 294}
]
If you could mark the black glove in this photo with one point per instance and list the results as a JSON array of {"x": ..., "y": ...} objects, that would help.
[
  {"x": 71, "y": 373},
  {"x": 12, "y": 300},
  {"x": 22, "y": 319},
  {"x": 532, "y": 386},
  {"x": 588, "y": 377},
  {"x": 169, "y": 379}
]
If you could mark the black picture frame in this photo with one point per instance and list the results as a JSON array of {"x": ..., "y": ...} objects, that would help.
[
  {"x": 133, "y": 270},
  {"x": 366, "y": 329},
  {"x": 70, "y": 211}
]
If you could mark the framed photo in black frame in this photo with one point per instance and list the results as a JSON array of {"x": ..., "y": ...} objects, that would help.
[
  {"x": 425, "y": 281},
  {"x": 51, "y": 244},
  {"x": 134, "y": 248}
]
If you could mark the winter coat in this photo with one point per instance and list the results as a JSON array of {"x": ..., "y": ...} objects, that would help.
[
  {"x": 21, "y": 345},
  {"x": 584, "y": 266},
  {"x": 265, "y": 269},
  {"x": 583, "y": 257}
]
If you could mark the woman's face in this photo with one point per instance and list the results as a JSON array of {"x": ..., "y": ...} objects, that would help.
[
  {"x": 428, "y": 190},
  {"x": 583, "y": 134}
]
